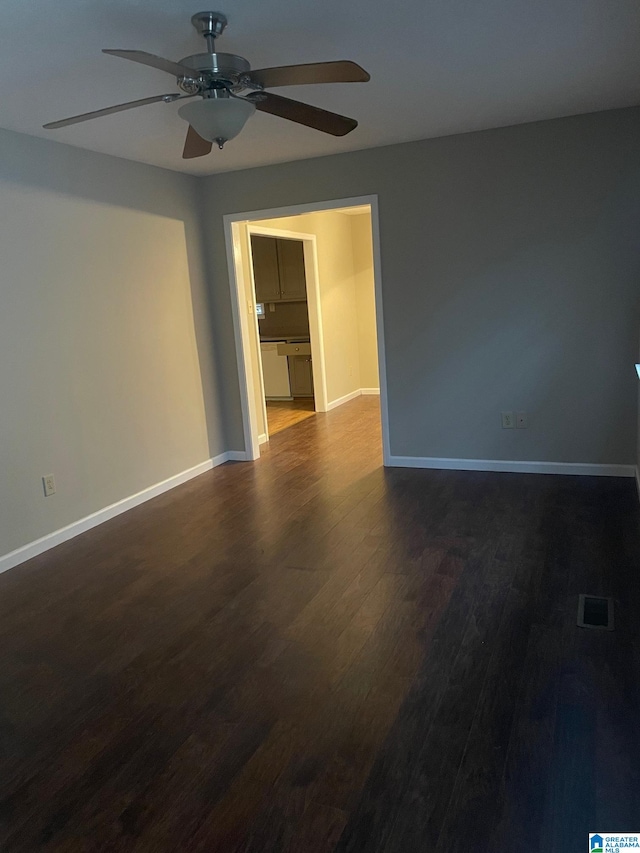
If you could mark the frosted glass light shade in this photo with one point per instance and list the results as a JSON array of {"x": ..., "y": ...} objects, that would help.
[{"x": 217, "y": 118}]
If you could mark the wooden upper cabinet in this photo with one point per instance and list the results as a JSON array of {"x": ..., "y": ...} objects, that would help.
[
  {"x": 291, "y": 264},
  {"x": 265, "y": 268},
  {"x": 278, "y": 269}
]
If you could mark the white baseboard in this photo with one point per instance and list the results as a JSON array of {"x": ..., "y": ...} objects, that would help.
[
  {"x": 263, "y": 438},
  {"x": 342, "y": 400},
  {"x": 32, "y": 549},
  {"x": 357, "y": 393},
  {"x": 235, "y": 456},
  {"x": 582, "y": 468}
]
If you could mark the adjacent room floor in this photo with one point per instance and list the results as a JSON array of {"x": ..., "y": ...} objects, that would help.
[
  {"x": 313, "y": 653},
  {"x": 285, "y": 413}
]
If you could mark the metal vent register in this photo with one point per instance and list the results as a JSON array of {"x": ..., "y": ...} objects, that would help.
[{"x": 595, "y": 612}]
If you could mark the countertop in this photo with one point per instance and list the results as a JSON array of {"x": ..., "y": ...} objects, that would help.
[{"x": 292, "y": 339}]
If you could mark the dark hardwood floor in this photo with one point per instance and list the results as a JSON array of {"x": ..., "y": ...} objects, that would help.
[{"x": 312, "y": 653}]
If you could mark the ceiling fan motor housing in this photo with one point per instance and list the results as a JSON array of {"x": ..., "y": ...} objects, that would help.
[{"x": 217, "y": 69}]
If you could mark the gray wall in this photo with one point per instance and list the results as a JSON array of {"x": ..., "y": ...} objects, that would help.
[
  {"x": 510, "y": 263},
  {"x": 106, "y": 381}
]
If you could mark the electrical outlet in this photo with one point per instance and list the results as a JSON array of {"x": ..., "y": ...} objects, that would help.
[
  {"x": 521, "y": 420},
  {"x": 507, "y": 420},
  {"x": 49, "y": 485}
]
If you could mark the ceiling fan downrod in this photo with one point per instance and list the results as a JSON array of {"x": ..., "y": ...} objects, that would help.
[
  {"x": 210, "y": 25},
  {"x": 212, "y": 70}
]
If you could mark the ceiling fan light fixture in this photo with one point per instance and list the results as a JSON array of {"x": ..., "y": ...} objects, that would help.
[{"x": 217, "y": 119}]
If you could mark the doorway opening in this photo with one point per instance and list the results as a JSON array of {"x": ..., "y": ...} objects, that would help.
[{"x": 306, "y": 297}]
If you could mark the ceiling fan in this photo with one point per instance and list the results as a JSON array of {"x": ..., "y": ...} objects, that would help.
[{"x": 229, "y": 92}]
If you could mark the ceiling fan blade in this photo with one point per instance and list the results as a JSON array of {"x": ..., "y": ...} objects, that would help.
[
  {"x": 314, "y": 72},
  {"x": 323, "y": 120},
  {"x": 154, "y": 61},
  {"x": 107, "y": 111},
  {"x": 195, "y": 145}
]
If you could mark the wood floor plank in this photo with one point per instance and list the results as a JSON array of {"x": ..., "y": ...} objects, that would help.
[
  {"x": 519, "y": 807},
  {"x": 470, "y": 813}
]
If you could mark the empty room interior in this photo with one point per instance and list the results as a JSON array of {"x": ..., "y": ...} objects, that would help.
[{"x": 319, "y": 345}]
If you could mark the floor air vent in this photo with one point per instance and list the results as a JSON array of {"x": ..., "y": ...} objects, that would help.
[{"x": 595, "y": 612}]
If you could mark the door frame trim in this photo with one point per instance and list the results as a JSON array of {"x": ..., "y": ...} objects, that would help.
[{"x": 240, "y": 316}]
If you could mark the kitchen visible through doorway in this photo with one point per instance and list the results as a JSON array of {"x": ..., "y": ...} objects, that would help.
[{"x": 280, "y": 283}]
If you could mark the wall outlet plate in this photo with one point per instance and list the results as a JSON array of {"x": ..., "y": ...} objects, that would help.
[
  {"x": 49, "y": 485},
  {"x": 508, "y": 421},
  {"x": 521, "y": 420}
]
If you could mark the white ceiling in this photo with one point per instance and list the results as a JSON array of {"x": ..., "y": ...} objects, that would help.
[{"x": 437, "y": 67}]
